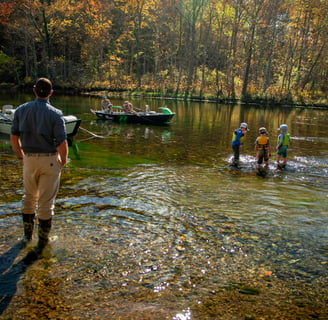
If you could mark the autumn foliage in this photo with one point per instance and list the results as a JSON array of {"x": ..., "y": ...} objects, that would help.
[{"x": 258, "y": 49}]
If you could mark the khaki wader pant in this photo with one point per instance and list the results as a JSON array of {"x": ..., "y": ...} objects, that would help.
[{"x": 41, "y": 177}]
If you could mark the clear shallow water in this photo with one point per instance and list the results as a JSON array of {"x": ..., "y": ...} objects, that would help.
[
  {"x": 188, "y": 238},
  {"x": 184, "y": 232}
]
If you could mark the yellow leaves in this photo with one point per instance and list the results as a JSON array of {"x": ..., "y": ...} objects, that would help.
[
  {"x": 97, "y": 29},
  {"x": 225, "y": 11}
]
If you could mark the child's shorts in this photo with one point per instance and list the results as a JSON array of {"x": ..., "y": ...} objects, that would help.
[
  {"x": 282, "y": 151},
  {"x": 262, "y": 154}
]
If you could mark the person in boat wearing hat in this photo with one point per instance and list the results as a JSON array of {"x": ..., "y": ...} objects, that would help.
[
  {"x": 282, "y": 143},
  {"x": 106, "y": 105},
  {"x": 128, "y": 107},
  {"x": 238, "y": 138},
  {"x": 262, "y": 148}
]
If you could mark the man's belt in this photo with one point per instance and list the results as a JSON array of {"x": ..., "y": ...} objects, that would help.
[{"x": 32, "y": 154}]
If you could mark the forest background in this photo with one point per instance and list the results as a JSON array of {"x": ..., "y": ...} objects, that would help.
[{"x": 267, "y": 50}]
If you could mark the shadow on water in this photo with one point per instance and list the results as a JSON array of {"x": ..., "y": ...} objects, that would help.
[{"x": 10, "y": 274}]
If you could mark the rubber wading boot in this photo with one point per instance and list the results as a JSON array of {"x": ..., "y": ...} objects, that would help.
[
  {"x": 28, "y": 222},
  {"x": 44, "y": 230}
]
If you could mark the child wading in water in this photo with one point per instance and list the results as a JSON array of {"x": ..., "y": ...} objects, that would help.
[
  {"x": 282, "y": 143},
  {"x": 238, "y": 137},
  {"x": 262, "y": 148}
]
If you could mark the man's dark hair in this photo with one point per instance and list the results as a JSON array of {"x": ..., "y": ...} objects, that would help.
[{"x": 43, "y": 87}]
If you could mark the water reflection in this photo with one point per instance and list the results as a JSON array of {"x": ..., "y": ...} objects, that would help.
[
  {"x": 184, "y": 315},
  {"x": 187, "y": 236}
]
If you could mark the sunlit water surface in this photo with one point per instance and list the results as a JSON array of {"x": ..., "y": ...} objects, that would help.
[{"x": 168, "y": 237}]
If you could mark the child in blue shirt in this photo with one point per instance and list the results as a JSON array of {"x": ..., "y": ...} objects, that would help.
[{"x": 238, "y": 138}]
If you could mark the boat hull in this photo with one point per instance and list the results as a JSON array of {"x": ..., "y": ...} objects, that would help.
[
  {"x": 140, "y": 117},
  {"x": 5, "y": 126},
  {"x": 72, "y": 125}
]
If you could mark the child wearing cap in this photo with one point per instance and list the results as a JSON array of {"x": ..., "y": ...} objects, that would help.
[
  {"x": 238, "y": 138},
  {"x": 282, "y": 143},
  {"x": 262, "y": 148}
]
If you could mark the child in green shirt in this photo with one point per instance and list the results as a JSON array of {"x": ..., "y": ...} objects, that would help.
[{"x": 282, "y": 143}]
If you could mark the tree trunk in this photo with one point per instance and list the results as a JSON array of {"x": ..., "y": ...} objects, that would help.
[{"x": 248, "y": 62}]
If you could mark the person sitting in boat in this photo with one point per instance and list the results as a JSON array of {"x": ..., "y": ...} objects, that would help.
[
  {"x": 106, "y": 105},
  {"x": 128, "y": 107}
]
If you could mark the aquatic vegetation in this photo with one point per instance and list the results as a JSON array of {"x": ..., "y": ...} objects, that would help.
[{"x": 105, "y": 158}]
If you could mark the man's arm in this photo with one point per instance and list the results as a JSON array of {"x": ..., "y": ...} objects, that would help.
[
  {"x": 63, "y": 152},
  {"x": 16, "y": 145}
]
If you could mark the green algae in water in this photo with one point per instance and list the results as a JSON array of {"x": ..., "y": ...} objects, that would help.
[{"x": 96, "y": 156}]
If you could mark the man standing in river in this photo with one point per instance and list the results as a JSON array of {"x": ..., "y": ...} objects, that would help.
[{"x": 38, "y": 137}]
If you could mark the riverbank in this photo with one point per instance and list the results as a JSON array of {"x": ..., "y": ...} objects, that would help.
[
  {"x": 290, "y": 102},
  {"x": 247, "y": 102}
]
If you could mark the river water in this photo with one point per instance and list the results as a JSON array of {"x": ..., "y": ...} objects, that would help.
[{"x": 154, "y": 223}]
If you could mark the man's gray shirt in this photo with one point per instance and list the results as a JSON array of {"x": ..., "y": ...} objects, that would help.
[{"x": 40, "y": 126}]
